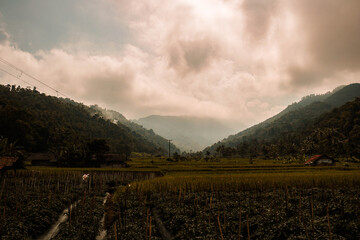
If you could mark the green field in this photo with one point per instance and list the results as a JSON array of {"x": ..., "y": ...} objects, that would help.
[
  {"x": 226, "y": 199},
  {"x": 232, "y": 199}
]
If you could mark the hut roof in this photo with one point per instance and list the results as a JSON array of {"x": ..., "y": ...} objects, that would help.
[
  {"x": 42, "y": 156},
  {"x": 6, "y": 161},
  {"x": 115, "y": 157},
  {"x": 316, "y": 157}
]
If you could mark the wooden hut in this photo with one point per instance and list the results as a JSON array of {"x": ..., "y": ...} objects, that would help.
[
  {"x": 43, "y": 159},
  {"x": 320, "y": 160},
  {"x": 114, "y": 161}
]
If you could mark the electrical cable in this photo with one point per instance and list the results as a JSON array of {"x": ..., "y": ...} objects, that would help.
[
  {"x": 19, "y": 77},
  {"x": 30, "y": 76}
]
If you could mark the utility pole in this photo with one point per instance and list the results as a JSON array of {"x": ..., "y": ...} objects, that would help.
[{"x": 169, "y": 148}]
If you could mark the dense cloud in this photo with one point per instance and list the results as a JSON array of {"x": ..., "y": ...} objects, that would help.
[
  {"x": 191, "y": 55},
  {"x": 236, "y": 59},
  {"x": 258, "y": 17},
  {"x": 332, "y": 32}
]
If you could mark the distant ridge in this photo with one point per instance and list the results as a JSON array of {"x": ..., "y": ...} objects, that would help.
[
  {"x": 345, "y": 94},
  {"x": 148, "y": 134},
  {"x": 188, "y": 133},
  {"x": 305, "y": 101},
  {"x": 294, "y": 118}
]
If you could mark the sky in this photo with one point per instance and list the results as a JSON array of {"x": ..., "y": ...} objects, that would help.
[{"x": 236, "y": 60}]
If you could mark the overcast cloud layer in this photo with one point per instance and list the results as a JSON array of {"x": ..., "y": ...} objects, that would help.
[{"x": 237, "y": 60}]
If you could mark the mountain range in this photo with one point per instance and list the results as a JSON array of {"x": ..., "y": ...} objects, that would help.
[
  {"x": 148, "y": 134},
  {"x": 188, "y": 133},
  {"x": 322, "y": 123}
]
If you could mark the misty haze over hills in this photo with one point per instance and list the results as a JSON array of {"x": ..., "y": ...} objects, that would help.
[
  {"x": 119, "y": 119},
  {"x": 189, "y": 133},
  {"x": 195, "y": 134}
]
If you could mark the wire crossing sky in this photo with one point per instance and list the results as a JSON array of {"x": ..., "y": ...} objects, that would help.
[
  {"x": 236, "y": 60},
  {"x": 16, "y": 72}
]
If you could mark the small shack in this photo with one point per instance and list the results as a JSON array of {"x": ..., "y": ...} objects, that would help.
[
  {"x": 7, "y": 163},
  {"x": 115, "y": 161},
  {"x": 320, "y": 160},
  {"x": 42, "y": 159}
]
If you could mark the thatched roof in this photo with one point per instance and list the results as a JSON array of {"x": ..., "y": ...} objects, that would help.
[
  {"x": 42, "y": 157},
  {"x": 6, "y": 161},
  {"x": 314, "y": 158},
  {"x": 115, "y": 157}
]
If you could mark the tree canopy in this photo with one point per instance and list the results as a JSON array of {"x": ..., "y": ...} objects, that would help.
[{"x": 41, "y": 123}]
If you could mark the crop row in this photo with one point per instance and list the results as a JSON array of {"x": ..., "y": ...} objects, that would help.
[
  {"x": 317, "y": 205},
  {"x": 250, "y": 181},
  {"x": 311, "y": 214},
  {"x": 31, "y": 201},
  {"x": 290, "y": 213}
]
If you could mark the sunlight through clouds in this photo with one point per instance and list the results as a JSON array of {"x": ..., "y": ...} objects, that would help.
[{"x": 237, "y": 60}]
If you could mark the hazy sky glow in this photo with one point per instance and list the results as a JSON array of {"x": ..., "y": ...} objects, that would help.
[{"x": 239, "y": 60}]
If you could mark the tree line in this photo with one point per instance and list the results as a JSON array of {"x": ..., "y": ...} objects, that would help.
[{"x": 336, "y": 133}]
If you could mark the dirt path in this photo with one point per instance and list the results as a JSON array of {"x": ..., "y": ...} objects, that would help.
[
  {"x": 54, "y": 229},
  {"x": 102, "y": 230},
  {"x": 165, "y": 234}
]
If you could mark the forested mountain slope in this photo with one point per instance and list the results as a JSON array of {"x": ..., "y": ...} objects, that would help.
[
  {"x": 45, "y": 123},
  {"x": 307, "y": 100},
  {"x": 286, "y": 129},
  {"x": 148, "y": 134},
  {"x": 336, "y": 132}
]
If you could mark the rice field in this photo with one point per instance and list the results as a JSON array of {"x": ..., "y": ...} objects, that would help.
[
  {"x": 194, "y": 200},
  {"x": 252, "y": 202}
]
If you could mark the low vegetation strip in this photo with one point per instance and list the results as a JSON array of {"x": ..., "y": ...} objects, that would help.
[
  {"x": 250, "y": 180},
  {"x": 318, "y": 203}
]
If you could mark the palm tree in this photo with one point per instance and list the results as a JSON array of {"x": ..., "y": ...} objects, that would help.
[
  {"x": 11, "y": 150},
  {"x": 8, "y": 148}
]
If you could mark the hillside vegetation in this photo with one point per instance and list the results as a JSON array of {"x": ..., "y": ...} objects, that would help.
[
  {"x": 147, "y": 134},
  {"x": 42, "y": 123},
  {"x": 316, "y": 127}
]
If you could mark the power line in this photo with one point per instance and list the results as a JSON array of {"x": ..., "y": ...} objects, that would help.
[
  {"x": 170, "y": 140},
  {"x": 22, "y": 72},
  {"x": 18, "y": 77}
]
